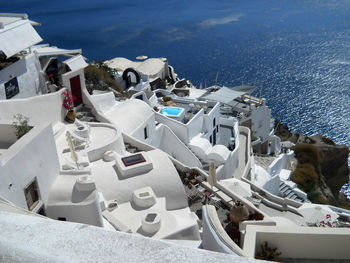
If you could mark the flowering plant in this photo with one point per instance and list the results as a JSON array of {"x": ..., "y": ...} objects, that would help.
[
  {"x": 328, "y": 222},
  {"x": 67, "y": 100}
]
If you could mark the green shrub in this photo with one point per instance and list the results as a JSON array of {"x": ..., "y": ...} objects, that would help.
[
  {"x": 165, "y": 99},
  {"x": 21, "y": 125},
  {"x": 308, "y": 153},
  {"x": 316, "y": 197},
  {"x": 305, "y": 174}
]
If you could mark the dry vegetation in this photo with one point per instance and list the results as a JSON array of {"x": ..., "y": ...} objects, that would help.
[
  {"x": 100, "y": 77},
  {"x": 306, "y": 174}
]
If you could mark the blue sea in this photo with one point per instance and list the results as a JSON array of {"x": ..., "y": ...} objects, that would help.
[{"x": 297, "y": 51}]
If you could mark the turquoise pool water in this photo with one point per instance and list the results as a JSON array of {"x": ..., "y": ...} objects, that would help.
[{"x": 172, "y": 111}]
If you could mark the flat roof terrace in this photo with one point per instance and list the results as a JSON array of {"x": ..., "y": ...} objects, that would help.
[{"x": 190, "y": 108}]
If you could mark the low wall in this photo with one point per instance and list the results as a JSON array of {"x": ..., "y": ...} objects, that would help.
[
  {"x": 179, "y": 128},
  {"x": 280, "y": 163},
  {"x": 214, "y": 235},
  {"x": 315, "y": 243},
  {"x": 39, "y": 109},
  {"x": 7, "y": 134},
  {"x": 173, "y": 146}
]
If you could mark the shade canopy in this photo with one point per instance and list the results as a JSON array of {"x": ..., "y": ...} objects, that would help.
[
  {"x": 244, "y": 88},
  {"x": 76, "y": 62},
  {"x": 54, "y": 51},
  {"x": 17, "y": 36},
  {"x": 224, "y": 95}
]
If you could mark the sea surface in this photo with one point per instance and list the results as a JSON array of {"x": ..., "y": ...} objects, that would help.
[{"x": 298, "y": 51}]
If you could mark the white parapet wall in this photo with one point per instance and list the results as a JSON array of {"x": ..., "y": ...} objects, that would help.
[
  {"x": 282, "y": 162},
  {"x": 22, "y": 241},
  {"x": 39, "y": 109},
  {"x": 315, "y": 243},
  {"x": 214, "y": 236}
]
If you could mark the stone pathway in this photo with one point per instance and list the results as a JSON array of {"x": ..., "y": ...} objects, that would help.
[{"x": 84, "y": 114}]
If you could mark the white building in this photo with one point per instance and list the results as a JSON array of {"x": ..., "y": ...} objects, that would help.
[
  {"x": 27, "y": 69},
  {"x": 120, "y": 174},
  {"x": 150, "y": 72},
  {"x": 251, "y": 112}
]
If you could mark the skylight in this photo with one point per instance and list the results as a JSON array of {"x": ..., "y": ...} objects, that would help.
[{"x": 133, "y": 159}]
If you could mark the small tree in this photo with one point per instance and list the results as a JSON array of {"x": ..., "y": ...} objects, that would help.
[{"x": 21, "y": 125}]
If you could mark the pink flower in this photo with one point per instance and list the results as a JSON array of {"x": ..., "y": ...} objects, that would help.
[{"x": 67, "y": 100}]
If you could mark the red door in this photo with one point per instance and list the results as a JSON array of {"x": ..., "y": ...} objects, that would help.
[{"x": 76, "y": 90}]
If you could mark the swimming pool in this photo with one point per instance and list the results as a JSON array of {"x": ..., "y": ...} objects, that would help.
[{"x": 173, "y": 111}]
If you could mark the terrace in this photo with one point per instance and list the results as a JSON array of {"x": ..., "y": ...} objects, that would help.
[{"x": 191, "y": 108}]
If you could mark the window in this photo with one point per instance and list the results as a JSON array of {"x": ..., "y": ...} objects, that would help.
[
  {"x": 62, "y": 219},
  {"x": 139, "y": 97},
  {"x": 217, "y": 128},
  {"x": 133, "y": 159},
  {"x": 145, "y": 133},
  {"x": 11, "y": 88},
  {"x": 214, "y": 122},
  {"x": 32, "y": 195},
  {"x": 211, "y": 138}
]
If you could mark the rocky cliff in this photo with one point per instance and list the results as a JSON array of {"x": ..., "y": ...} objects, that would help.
[{"x": 334, "y": 172}]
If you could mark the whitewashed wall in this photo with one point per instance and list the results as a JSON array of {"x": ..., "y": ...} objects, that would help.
[
  {"x": 27, "y": 71},
  {"x": 195, "y": 125},
  {"x": 179, "y": 128},
  {"x": 261, "y": 117},
  {"x": 226, "y": 171},
  {"x": 7, "y": 134},
  {"x": 149, "y": 124},
  {"x": 39, "y": 109},
  {"x": 208, "y": 122},
  {"x": 67, "y": 76},
  {"x": 173, "y": 146},
  {"x": 282, "y": 162},
  {"x": 300, "y": 243},
  {"x": 34, "y": 155}
]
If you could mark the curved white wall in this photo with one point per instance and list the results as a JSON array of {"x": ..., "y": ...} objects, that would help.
[{"x": 40, "y": 109}]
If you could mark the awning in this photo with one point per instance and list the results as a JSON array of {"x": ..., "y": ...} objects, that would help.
[
  {"x": 245, "y": 88},
  {"x": 76, "y": 62},
  {"x": 54, "y": 51},
  {"x": 18, "y": 36},
  {"x": 224, "y": 95}
]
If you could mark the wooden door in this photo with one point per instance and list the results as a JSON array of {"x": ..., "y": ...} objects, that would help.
[{"x": 76, "y": 90}]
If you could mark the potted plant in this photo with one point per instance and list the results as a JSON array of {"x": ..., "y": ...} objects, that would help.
[{"x": 69, "y": 106}]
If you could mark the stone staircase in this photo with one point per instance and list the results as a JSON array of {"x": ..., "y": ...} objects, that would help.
[{"x": 288, "y": 192}]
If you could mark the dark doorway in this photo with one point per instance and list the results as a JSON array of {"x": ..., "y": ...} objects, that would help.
[
  {"x": 76, "y": 90},
  {"x": 214, "y": 136}
]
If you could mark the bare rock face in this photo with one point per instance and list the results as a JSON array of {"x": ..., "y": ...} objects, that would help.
[{"x": 334, "y": 167}]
